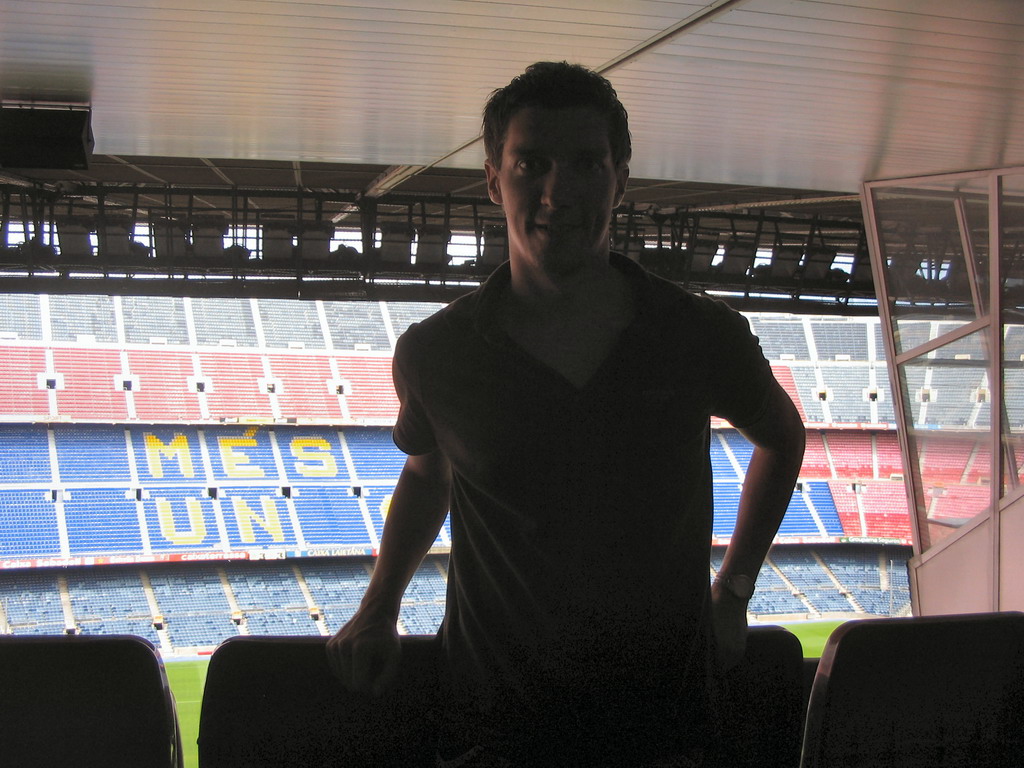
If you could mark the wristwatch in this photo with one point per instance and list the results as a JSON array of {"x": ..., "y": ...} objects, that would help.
[{"x": 738, "y": 585}]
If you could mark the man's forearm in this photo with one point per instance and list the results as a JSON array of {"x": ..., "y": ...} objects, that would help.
[
  {"x": 418, "y": 510},
  {"x": 767, "y": 491},
  {"x": 767, "y": 488}
]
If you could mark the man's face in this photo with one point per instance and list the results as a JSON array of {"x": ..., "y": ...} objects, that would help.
[{"x": 558, "y": 186}]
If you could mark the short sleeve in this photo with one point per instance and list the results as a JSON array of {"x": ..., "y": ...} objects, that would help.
[
  {"x": 742, "y": 376},
  {"x": 413, "y": 433}
]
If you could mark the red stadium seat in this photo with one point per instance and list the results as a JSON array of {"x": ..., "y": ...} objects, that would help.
[
  {"x": 928, "y": 691},
  {"x": 90, "y": 702}
]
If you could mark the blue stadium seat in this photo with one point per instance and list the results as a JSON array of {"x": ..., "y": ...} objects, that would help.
[
  {"x": 374, "y": 453},
  {"x": 330, "y": 515},
  {"x": 28, "y": 519},
  {"x": 91, "y": 453},
  {"x": 193, "y": 603},
  {"x": 102, "y": 520},
  {"x": 24, "y": 454},
  {"x": 110, "y": 601}
]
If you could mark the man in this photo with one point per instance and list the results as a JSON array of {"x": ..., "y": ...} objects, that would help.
[{"x": 562, "y": 413}]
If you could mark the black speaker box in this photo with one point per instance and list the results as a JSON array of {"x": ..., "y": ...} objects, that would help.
[{"x": 35, "y": 137}]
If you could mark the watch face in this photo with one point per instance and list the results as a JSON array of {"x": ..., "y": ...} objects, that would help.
[{"x": 741, "y": 586}]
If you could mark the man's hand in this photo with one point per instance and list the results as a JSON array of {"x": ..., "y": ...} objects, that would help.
[
  {"x": 365, "y": 653},
  {"x": 729, "y": 621}
]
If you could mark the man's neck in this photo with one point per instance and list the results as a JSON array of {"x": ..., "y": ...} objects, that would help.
[
  {"x": 598, "y": 293},
  {"x": 542, "y": 290},
  {"x": 573, "y": 328}
]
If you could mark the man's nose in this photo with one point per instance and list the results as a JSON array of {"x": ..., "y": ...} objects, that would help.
[{"x": 560, "y": 185}]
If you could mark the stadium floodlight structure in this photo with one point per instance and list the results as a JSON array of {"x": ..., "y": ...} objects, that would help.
[
  {"x": 294, "y": 242},
  {"x": 948, "y": 254}
]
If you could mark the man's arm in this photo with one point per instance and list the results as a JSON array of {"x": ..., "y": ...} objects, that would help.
[
  {"x": 364, "y": 654},
  {"x": 778, "y": 438}
]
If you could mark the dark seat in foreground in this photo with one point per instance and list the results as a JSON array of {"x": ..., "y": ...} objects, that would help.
[
  {"x": 272, "y": 701},
  {"x": 914, "y": 692},
  {"x": 763, "y": 717},
  {"x": 88, "y": 702}
]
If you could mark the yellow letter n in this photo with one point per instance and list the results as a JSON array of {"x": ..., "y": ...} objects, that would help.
[{"x": 246, "y": 517}]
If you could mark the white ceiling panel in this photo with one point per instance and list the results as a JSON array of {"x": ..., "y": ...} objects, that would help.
[{"x": 809, "y": 94}]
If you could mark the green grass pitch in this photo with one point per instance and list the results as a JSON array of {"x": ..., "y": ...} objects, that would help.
[
  {"x": 813, "y": 635},
  {"x": 187, "y": 677}
]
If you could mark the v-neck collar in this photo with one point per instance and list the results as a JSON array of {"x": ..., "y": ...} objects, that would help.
[
  {"x": 485, "y": 313},
  {"x": 486, "y": 321}
]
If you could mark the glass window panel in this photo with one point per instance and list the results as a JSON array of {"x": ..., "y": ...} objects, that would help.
[
  {"x": 1011, "y": 230},
  {"x": 948, "y": 403},
  {"x": 934, "y": 241}
]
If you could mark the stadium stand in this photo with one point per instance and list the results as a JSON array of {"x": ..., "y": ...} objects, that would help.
[
  {"x": 270, "y": 599},
  {"x": 847, "y": 386},
  {"x": 374, "y": 456},
  {"x": 307, "y": 387},
  {"x": 154, "y": 320},
  {"x": 234, "y": 390},
  {"x": 851, "y": 453},
  {"x": 783, "y": 338},
  {"x": 231, "y": 430},
  {"x": 110, "y": 601},
  {"x": 936, "y": 691},
  {"x": 336, "y": 588},
  {"x": 193, "y": 604},
  {"x": 82, "y": 318},
  {"x": 405, "y": 313},
  {"x": 812, "y": 579},
  {"x": 29, "y": 521},
  {"x": 840, "y": 340},
  {"x": 810, "y": 393},
  {"x": 91, "y": 389},
  {"x": 88, "y": 701},
  {"x": 31, "y": 604},
  {"x": 220, "y": 322},
  {"x": 357, "y": 325},
  {"x": 24, "y": 454},
  {"x": 887, "y": 450},
  {"x": 164, "y": 385},
  {"x": 28, "y": 381},
  {"x": 372, "y": 398},
  {"x": 424, "y": 601},
  {"x": 816, "y": 457},
  {"x": 20, "y": 317},
  {"x": 290, "y": 325},
  {"x": 101, "y": 520}
]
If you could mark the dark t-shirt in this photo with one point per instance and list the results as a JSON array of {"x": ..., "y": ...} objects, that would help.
[{"x": 581, "y": 517}]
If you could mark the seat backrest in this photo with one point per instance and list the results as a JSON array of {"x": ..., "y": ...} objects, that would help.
[
  {"x": 762, "y": 718},
  {"x": 85, "y": 701},
  {"x": 926, "y": 691},
  {"x": 272, "y": 701}
]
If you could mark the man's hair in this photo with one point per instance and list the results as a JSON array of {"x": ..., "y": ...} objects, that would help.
[{"x": 554, "y": 85}]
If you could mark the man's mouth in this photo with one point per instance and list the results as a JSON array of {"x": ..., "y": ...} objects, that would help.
[{"x": 554, "y": 226}]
